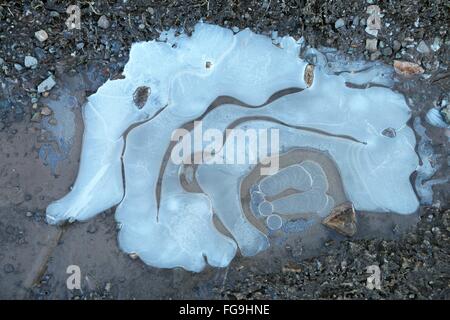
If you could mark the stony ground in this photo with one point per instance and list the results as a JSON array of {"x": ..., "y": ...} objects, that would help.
[{"x": 414, "y": 266}]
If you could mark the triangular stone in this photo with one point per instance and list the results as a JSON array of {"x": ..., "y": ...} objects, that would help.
[{"x": 342, "y": 219}]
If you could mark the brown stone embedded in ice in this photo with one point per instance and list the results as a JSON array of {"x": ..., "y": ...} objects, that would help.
[
  {"x": 407, "y": 68},
  {"x": 342, "y": 219},
  {"x": 309, "y": 75},
  {"x": 140, "y": 96}
]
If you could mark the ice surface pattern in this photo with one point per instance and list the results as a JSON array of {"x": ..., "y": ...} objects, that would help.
[
  {"x": 310, "y": 184},
  {"x": 165, "y": 225}
]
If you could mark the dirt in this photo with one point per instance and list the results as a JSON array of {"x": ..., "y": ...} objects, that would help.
[{"x": 36, "y": 168}]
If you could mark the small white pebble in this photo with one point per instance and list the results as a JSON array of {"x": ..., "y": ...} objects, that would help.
[{"x": 41, "y": 35}]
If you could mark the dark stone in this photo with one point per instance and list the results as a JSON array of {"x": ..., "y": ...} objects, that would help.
[
  {"x": 389, "y": 132},
  {"x": 92, "y": 228},
  {"x": 8, "y": 268},
  {"x": 387, "y": 52}
]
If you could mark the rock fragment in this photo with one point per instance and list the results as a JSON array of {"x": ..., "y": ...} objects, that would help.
[
  {"x": 342, "y": 219},
  {"x": 92, "y": 228},
  {"x": 36, "y": 117},
  {"x": 309, "y": 75},
  {"x": 371, "y": 45},
  {"x": 436, "y": 44},
  {"x": 375, "y": 55},
  {"x": 41, "y": 35},
  {"x": 446, "y": 114},
  {"x": 30, "y": 62},
  {"x": 103, "y": 22},
  {"x": 46, "y": 111},
  {"x": 339, "y": 23},
  {"x": 387, "y": 51},
  {"x": 407, "y": 68},
  {"x": 8, "y": 268},
  {"x": 46, "y": 85},
  {"x": 396, "y": 45},
  {"x": 423, "y": 48}
]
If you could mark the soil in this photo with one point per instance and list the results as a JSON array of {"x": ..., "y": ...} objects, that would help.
[{"x": 412, "y": 252}]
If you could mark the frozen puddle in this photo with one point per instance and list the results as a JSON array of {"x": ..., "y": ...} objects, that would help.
[{"x": 342, "y": 137}]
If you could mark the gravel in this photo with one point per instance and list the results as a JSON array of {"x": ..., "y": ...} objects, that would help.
[
  {"x": 103, "y": 22},
  {"x": 46, "y": 85},
  {"x": 412, "y": 267},
  {"x": 423, "y": 48},
  {"x": 30, "y": 62},
  {"x": 371, "y": 45},
  {"x": 41, "y": 35},
  {"x": 339, "y": 23}
]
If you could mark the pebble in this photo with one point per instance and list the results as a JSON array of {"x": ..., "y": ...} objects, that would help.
[
  {"x": 30, "y": 62},
  {"x": 41, "y": 35},
  {"x": 92, "y": 228},
  {"x": 103, "y": 22},
  {"x": 372, "y": 32},
  {"x": 375, "y": 55},
  {"x": 407, "y": 68},
  {"x": 446, "y": 114},
  {"x": 371, "y": 45},
  {"x": 36, "y": 117},
  {"x": 40, "y": 53},
  {"x": 46, "y": 111},
  {"x": 342, "y": 219},
  {"x": 423, "y": 48},
  {"x": 18, "y": 67},
  {"x": 133, "y": 256},
  {"x": 389, "y": 132},
  {"x": 396, "y": 45},
  {"x": 235, "y": 29},
  {"x": 1, "y": 61},
  {"x": 46, "y": 85},
  {"x": 387, "y": 51},
  {"x": 339, "y": 23},
  {"x": 355, "y": 21},
  {"x": 8, "y": 268},
  {"x": 435, "y": 46},
  {"x": 29, "y": 214}
]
